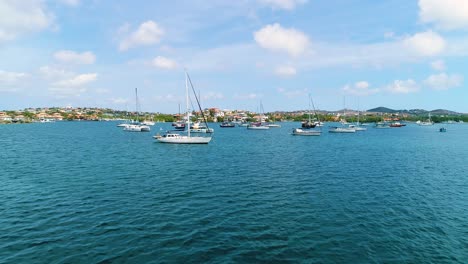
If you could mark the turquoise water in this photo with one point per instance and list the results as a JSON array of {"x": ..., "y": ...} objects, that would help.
[{"x": 88, "y": 192}]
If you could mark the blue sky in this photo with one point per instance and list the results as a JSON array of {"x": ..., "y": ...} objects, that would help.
[{"x": 400, "y": 54}]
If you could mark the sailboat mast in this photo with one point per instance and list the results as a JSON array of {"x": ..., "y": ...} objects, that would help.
[
  {"x": 187, "y": 102},
  {"x": 136, "y": 104}
]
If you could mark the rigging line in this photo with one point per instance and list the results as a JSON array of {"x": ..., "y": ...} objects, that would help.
[{"x": 198, "y": 102}]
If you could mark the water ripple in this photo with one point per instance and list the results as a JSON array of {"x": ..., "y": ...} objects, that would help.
[{"x": 248, "y": 196}]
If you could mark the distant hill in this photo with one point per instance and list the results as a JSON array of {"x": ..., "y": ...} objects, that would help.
[
  {"x": 444, "y": 112},
  {"x": 382, "y": 109}
]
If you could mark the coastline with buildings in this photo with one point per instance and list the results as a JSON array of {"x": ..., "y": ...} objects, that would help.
[{"x": 52, "y": 114}]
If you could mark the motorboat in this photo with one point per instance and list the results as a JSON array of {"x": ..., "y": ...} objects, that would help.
[
  {"x": 136, "y": 128},
  {"x": 227, "y": 124}
]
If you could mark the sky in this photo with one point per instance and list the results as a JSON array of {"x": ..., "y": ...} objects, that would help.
[{"x": 359, "y": 54}]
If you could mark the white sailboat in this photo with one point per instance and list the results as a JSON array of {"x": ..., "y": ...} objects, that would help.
[
  {"x": 175, "y": 138},
  {"x": 426, "y": 123},
  {"x": 259, "y": 125},
  {"x": 343, "y": 128},
  {"x": 308, "y": 127},
  {"x": 136, "y": 127}
]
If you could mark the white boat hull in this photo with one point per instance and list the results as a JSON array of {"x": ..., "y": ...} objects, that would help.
[
  {"x": 136, "y": 128},
  {"x": 183, "y": 140},
  {"x": 301, "y": 132},
  {"x": 273, "y": 125},
  {"x": 201, "y": 130},
  {"x": 342, "y": 130},
  {"x": 257, "y": 127}
]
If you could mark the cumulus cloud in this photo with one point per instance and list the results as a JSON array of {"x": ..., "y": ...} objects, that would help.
[
  {"x": 403, "y": 87},
  {"x": 276, "y": 38},
  {"x": 444, "y": 14},
  {"x": 444, "y": 81},
  {"x": 285, "y": 71},
  {"x": 426, "y": 43},
  {"x": 52, "y": 73},
  {"x": 282, "y": 4},
  {"x": 164, "y": 63},
  {"x": 72, "y": 86},
  {"x": 78, "y": 80},
  {"x": 148, "y": 33},
  {"x": 22, "y": 17},
  {"x": 361, "y": 88},
  {"x": 438, "y": 65},
  {"x": 69, "y": 56}
]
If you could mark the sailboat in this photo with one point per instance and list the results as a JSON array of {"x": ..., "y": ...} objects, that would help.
[
  {"x": 305, "y": 130},
  {"x": 426, "y": 123},
  {"x": 175, "y": 138},
  {"x": 259, "y": 125},
  {"x": 358, "y": 126},
  {"x": 343, "y": 128},
  {"x": 136, "y": 127}
]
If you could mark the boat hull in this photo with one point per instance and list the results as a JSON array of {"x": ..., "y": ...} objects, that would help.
[
  {"x": 342, "y": 130},
  {"x": 300, "y": 132},
  {"x": 183, "y": 140},
  {"x": 258, "y": 127},
  {"x": 136, "y": 128}
]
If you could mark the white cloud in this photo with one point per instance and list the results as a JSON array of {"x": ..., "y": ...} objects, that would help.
[
  {"x": 118, "y": 100},
  {"x": 69, "y": 56},
  {"x": 292, "y": 93},
  {"x": 168, "y": 98},
  {"x": 148, "y": 33},
  {"x": 282, "y": 4},
  {"x": 285, "y": 71},
  {"x": 11, "y": 81},
  {"x": 212, "y": 96},
  {"x": 8, "y": 78},
  {"x": 249, "y": 96},
  {"x": 22, "y": 17},
  {"x": 72, "y": 3},
  {"x": 102, "y": 91},
  {"x": 403, "y": 87},
  {"x": 445, "y": 14},
  {"x": 78, "y": 80},
  {"x": 73, "y": 86},
  {"x": 164, "y": 63},
  {"x": 52, "y": 73},
  {"x": 426, "y": 43},
  {"x": 443, "y": 81},
  {"x": 276, "y": 38},
  {"x": 389, "y": 35},
  {"x": 361, "y": 88},
  {"x": 438, "y": 65}
]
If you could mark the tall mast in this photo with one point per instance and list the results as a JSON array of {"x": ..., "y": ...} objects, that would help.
[
  {"x": 136, "y": 103},
  {"x": 187, "y": 101}
]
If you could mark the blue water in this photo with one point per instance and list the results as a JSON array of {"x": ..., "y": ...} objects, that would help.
[{"x": 88, "y": 192}]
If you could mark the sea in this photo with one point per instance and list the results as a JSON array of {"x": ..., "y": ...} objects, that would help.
[{"x": 89, "y": 192}]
